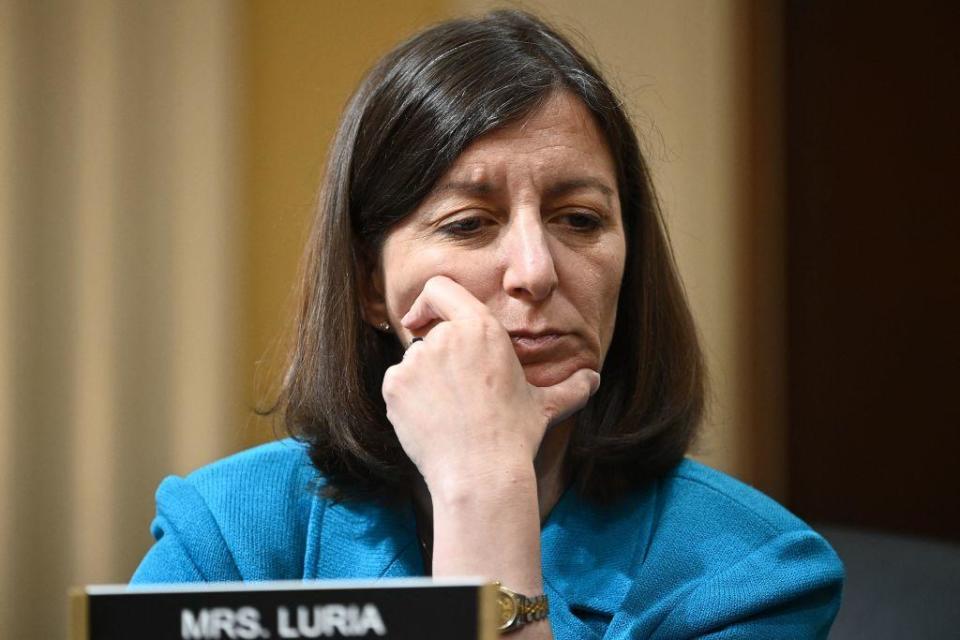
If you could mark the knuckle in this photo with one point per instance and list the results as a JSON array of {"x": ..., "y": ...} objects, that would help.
[
  {"x": 442, "y": 333},
  {"x": 488, "y": 323},
  {"x": 484, "y": 325},
  {"x": 391, "y": 414},
  {"x": 411, "y": 354},
  {"x": 433, "y": 285},
  {"x": 472, "y": 325},
  {"x": 390, "y": 385},
  {"x": 490, "y": 326},
  {"x": 549, "y": 412}
]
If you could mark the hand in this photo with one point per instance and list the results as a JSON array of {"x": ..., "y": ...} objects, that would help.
[{"x": 459, "y": 400}]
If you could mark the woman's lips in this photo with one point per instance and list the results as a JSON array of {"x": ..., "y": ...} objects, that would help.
[{"x": 536, "y": 346}]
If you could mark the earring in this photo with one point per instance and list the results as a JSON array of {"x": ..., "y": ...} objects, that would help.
[{"x": 384, "y": 326}]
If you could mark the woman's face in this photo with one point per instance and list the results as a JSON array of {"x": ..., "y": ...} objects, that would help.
[{"x": 528, "y": 221}]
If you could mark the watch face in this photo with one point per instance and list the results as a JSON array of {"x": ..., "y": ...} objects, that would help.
[{"x": 507, "y": 607}]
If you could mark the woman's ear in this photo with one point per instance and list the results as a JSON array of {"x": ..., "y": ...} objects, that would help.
[{"x": 373, "y": 301}]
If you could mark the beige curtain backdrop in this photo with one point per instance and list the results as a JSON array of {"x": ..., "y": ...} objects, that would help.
[
  {"x": 158, "y": 161},
  {"x": 118, "y": 325}
]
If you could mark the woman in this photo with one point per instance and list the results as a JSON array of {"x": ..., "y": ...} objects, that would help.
[{"x": 496, "y": 372}]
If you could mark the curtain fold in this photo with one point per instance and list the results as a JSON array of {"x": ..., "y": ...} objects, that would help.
[{"x": 118, "y": 285}]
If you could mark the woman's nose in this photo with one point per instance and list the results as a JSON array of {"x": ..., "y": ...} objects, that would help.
[{"x": 530, "y": 270}]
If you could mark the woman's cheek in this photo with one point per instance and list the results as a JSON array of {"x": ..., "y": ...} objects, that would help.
[
  {"x": 401, "y": 293},
  {"x": 405, "y": 282}
]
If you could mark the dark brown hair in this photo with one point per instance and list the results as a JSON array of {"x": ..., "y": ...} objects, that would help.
[{"x": 412, "y": 115}]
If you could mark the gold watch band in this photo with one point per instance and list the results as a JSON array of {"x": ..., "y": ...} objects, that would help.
[{"x": 517, "y": 610}]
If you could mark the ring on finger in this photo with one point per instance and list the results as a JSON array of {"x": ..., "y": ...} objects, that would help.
[{"x": 412, "y": 342}]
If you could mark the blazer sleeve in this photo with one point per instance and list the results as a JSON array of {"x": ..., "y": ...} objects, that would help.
[
  {"x": 788, "y": 588},
  {"x": 189, "y": 544}
]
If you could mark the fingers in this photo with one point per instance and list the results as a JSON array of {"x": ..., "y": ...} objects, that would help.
[
  {"x": 441, "y": 299},
  {"x": 566, "y": 398}
]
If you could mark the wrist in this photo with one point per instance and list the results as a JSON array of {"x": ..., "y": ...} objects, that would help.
[
  {"x": 492, "y": 531},
  {"x": 460, "y": 486}
]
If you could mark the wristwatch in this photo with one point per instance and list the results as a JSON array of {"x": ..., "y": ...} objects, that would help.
[{"x": 516, "y": 609}]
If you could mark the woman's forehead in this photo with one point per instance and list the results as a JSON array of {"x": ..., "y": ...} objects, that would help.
[{"x": 560, "y": 141}]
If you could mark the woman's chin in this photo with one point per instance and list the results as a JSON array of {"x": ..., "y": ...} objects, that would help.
[{"x": 547, "y": 374}]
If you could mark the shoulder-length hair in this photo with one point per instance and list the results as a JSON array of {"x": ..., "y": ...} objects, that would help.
[{"x": 410, "y": 118}]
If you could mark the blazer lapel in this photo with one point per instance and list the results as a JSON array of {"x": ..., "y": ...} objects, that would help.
[
  {"x": 361, "y": 540},
  {"x": 591, "y": 553}
]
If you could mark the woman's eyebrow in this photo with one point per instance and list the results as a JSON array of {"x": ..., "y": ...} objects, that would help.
[
  {"x": 557, "y": 189},
  {"x": 465, "y": 187},
  {"x": 564, "y": 187}
]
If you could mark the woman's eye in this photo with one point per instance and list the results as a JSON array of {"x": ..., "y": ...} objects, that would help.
[
  {"x": 464, "y": 227},
  {"x": 583, "y": 221}
]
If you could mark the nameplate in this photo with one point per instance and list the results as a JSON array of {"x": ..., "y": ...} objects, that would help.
[{"x": 415, "y": 608}]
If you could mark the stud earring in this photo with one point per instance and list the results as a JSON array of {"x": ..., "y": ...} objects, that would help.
[{"x": 384, "y": 326}]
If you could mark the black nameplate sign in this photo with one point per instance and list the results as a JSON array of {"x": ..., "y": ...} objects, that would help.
[{"x": 414, "y": 608}]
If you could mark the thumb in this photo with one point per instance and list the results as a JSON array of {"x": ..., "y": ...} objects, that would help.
[{"x": 566, "y": 398}]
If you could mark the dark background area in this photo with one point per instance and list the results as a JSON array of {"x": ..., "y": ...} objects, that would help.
[{"x": 873, "y": 153}]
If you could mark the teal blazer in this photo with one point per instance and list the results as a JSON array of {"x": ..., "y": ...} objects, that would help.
[{"x": 695, "y": 554}]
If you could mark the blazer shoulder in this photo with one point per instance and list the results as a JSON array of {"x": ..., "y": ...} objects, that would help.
[
  {"x": 694, "y": 490},
  {"x": 725, "y": 556},
  {"x": 258, "y": 503},
  {"x": 272, "y": 472}
]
